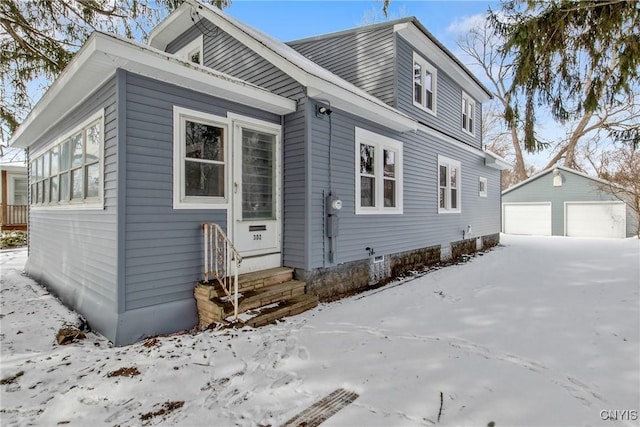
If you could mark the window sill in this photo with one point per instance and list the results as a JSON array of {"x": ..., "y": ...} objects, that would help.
[{"x": 423, "y": 108}]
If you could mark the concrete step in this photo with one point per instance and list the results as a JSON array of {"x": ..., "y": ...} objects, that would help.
[{"x": 291, "y": 307}]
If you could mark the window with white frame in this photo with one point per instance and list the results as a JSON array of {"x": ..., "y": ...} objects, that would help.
[
  {"x": 193, "y": 51},
  {"x": 424, "y": 84},
  {"x": 378, "y": 173},
  {"x": 482, "y": 187},
  {"x": 449, "y": 175},
  {"x": 69, "y": 173},
  {"x": 468, "y": 113},
  {"x": 200, "y": 163}
]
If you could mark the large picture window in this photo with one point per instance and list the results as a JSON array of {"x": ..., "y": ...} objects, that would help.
[
  {"x": 200, "y": 159},
  {"x": 424, "y": 84},
  {"x": 449, "y": 178},
  {"x": 69, "y": 172},
  {"x": 378, "y": 174}
]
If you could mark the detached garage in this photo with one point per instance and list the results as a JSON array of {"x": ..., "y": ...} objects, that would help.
[{"x": 565, "y": 202}]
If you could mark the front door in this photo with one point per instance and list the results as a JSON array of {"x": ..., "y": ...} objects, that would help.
[{"x": 256, "y": 212}]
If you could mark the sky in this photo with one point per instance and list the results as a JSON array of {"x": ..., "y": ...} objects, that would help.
[
  {"x": 539, "y": 331},
  {"x": 312, "y": 18}
]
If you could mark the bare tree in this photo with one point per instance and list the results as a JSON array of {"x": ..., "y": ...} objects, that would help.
[
  {"x": 482, "y": 45},
  {"x": 620, "y": 167}
]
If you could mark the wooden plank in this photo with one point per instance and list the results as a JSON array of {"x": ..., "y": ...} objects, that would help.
[{"x": 326, "y": 407}]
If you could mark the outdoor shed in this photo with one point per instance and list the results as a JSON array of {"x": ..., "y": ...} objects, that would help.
[{"x": 564, "y": 202}]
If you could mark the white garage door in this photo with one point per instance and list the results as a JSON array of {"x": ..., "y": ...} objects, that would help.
[
  {"x": 527, "y": 218},
  {"x": 596, "y": 219}
]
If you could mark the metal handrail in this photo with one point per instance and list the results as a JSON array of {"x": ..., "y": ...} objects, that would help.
[{"x": 218, "y": 256}]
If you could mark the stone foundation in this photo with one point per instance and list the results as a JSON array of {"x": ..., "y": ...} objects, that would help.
[
  {"x": 348, "y": 278},
  {"x": 463, "y": 247},
  {"x": 490, "y": 240}
]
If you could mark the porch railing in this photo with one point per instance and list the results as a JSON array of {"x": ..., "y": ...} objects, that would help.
[
  {"x": 13, "y": 214},
  {"x": 221, "y": 262}
]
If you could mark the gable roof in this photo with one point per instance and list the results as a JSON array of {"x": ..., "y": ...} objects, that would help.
[
  {"x": 103, "y": 54},
  {"x": 563, "y": 168},
  {"x": 417, "y": 34},
  {"x": 319, "y": 82}
]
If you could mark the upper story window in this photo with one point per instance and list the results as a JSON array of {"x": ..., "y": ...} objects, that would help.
[
  {"x": 424, "y": 84},
  {"x": 193, "y": 51},
  {"x": 378, "y": 174},
  {"x": 200, "y": 160},
  {"x": 69, "y": 172},
  {"x": 449, "y": 175},
  {"x": 468, "y": 113}
]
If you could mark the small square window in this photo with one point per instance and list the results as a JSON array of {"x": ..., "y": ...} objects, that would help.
[{"x": 482, "y": 187}]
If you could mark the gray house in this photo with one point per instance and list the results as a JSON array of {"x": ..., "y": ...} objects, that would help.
[
  {"x": 347, "y": 157},
  {"x": 564, "y": 202}
]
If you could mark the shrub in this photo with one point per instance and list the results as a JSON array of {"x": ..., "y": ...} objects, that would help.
[{"x": 13, "y": 239}]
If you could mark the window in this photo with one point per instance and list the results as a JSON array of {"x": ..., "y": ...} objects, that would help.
[
  {"x": 200, "y": 159},
  {"x": 468, "y": 113},
  {"x": 448, "y": 185},
  {"x": 192, "y": 52},
  {"x": 70, "y": 171},
  {"x": 378, "y": 174},
  {"x": 424, "y": 84},
  {"x": 482, "y": 187}
]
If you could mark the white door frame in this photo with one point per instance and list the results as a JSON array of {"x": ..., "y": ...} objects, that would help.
[{"x": 270, "y": 255}]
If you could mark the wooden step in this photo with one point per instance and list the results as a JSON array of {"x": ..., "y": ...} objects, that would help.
[
  {"x": 293, "y": 306},
  {"x": 262, "y": 297},
  {"x": 246, "y": 282}
]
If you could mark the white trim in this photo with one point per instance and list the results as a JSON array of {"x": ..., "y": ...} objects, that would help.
[
  {"x": 98, "y": 60},
  {"x": 450, "y": 163},
  {"x": 380, "y": 143},
  {"x": 86, "y": 204},
  {"x": 187, "y": 50},
  {"x": 272, "y": 255},
  {"x": 320, "y": 83},
  {"x": 482, "y": 180},
  {"x": 426, "y": 66},
  {"x": 180, "y": 201},
  {"x": 562, "y": 168},
  {"x": 471, "y": 115},
  {"x": 494, "y": 161},
  {"x": 428, "y": 48},
  {"x": 448, "y": 139}
]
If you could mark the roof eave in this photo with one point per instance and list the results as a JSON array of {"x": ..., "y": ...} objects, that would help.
[
  {"x": 103, "y": 54},
  {"x": 416, "y": 34}
]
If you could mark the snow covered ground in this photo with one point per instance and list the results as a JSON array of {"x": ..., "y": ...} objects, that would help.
[{"x": 537, "y": 332}]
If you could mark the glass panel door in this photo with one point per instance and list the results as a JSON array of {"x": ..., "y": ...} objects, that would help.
[{"x": 258, "y": 175}]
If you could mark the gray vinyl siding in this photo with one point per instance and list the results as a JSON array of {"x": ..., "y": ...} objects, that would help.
[
  {"x": 74, "y": 252},
  {"x": 294, "y": 251},
  {"x": 226, "y": 54},
  {"x": 448, "y": 118},
  {"x": 575, "y": 188},
  {"x": 364, "y": 58},
  {"x": 420, "y": 225},
  {"x": 163, "y": 258}
]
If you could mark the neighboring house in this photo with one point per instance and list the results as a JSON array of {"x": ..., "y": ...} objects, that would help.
[
  {"x": 14, "y": 202},
  {"x": 564, "y": 202},
  {"x": 216, "y": 122}
]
